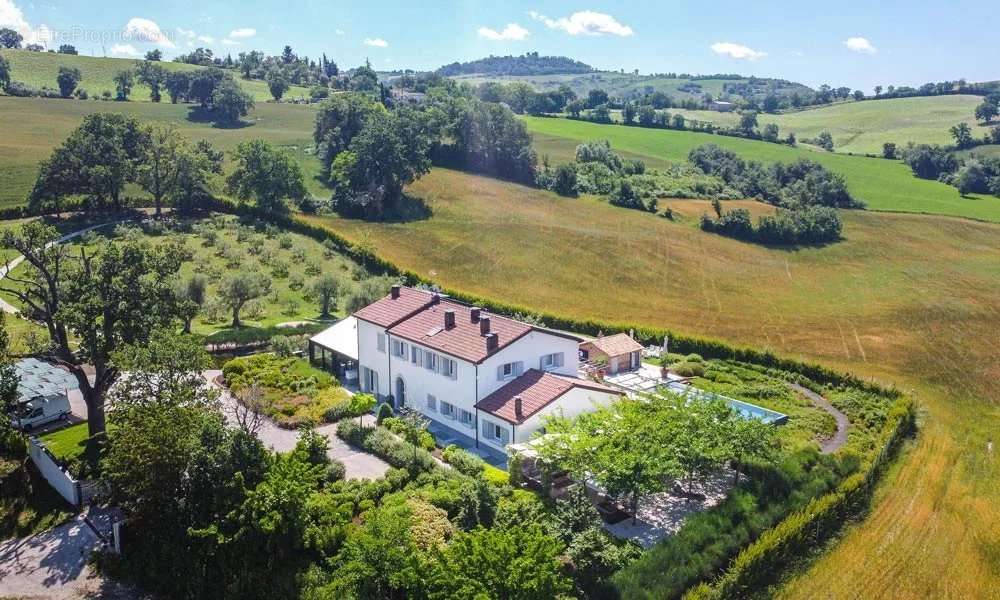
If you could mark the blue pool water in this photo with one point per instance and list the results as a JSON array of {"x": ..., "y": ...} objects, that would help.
[{"x": 747, "y": 410}]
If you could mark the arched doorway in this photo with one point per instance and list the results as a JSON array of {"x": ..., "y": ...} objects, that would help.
[{"x": 400, "y": 393}]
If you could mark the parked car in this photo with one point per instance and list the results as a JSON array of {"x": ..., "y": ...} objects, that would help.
[{"x": 39, "y": 410}]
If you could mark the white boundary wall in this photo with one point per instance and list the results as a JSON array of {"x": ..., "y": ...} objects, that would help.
[{"x": 60, "y": 480}]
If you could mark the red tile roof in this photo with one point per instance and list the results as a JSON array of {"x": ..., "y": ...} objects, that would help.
[
  {"x": 416, "y": 317},
  {"x": 464, "y": 340},
  {"x": 616, "y": 345},
  {"x": 537, "y": 390},
  {"x": 388, "y": 311}
]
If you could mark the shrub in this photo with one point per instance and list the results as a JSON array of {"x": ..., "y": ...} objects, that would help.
[
  {"x": 384, "y": 412},
  {"x": 463, "y": 461},
  {"x": 688, "y": 369},
  {"x": 496, "y": 476},
  {"x": 335, "y": 471}
]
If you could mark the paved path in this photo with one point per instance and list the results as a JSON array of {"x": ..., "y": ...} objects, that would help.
[
  {"x": 358, "y": 464},
  {"x": 12, "y": 264},
  {"x": 843, "y": 424},
  {"x": 53, "y": 565}
]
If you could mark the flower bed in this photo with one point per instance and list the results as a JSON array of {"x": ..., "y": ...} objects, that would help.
[{"x": 294, "y": 392}]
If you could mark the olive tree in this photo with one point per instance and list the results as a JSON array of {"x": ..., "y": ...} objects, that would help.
[{"x": 236, "y": 290}]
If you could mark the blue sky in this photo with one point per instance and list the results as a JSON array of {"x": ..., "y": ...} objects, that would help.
[{"x": 859, "y": 44}]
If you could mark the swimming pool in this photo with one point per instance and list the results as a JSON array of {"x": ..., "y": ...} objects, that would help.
[{"x": 745, "y": 409}]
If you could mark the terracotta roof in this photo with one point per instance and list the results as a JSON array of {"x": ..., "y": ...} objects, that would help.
[
  {"x": 616, "y": 345},
  {"x": 388, "y": 311},
  {"x": 537, "y": 390},
  {"x": 464, "y": 340}
]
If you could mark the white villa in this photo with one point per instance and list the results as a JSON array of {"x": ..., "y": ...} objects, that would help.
[{"x": 482, "y": 379}]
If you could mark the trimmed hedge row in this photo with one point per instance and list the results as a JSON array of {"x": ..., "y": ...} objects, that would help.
[
  {"x": 383, "y": 444},
  {"x": 761, "y": 563}
]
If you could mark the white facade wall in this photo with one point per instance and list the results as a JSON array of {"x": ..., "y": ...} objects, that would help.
[
  {"x": 574, "y": 402},
  {"x": 528, "y": 350},
  {"x": 370, "y": 358},
  {"x": 472, "y": 383},
  {"x": 420, "y": 382}
]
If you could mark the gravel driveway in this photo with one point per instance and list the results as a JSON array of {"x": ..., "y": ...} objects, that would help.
[{"x": 358, "y": 463}]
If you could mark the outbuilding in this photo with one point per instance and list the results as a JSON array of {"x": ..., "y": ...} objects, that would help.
[{"x": 615, "y": 353}]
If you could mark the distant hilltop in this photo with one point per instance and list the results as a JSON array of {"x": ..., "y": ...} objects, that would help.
[{"x": 528, "y": 64}]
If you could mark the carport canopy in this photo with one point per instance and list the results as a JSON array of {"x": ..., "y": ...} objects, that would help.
[{"x": 342, "y": 338}]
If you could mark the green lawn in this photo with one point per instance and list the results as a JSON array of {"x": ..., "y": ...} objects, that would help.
[
  {"x": 67, "y": 443},
  {"x": 33, "y": 127},
  {"x": 881, "y": 184},
  {"x": 40, "y": 68},
  {"x": 862, "y": 127}
]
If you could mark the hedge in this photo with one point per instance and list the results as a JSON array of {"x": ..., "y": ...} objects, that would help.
[
  {"x": 383, "y": 444},
  {"x": 761, "y": 563}
]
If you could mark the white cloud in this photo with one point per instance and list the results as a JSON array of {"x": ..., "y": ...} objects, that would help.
[
  {"x": 512, "y": 31},
  {"x": 339, "y": 31},
  {"x": 243, "y": 32},
  {"x": 737, "y": 51},
  {"x": 586, "y": 22},
  {"x": 124, "y": 50},
  {"x": 188, "y": 33},
  {"x": 143, "y": 30},
  {"x": 860, "y": 44},
  {"x": 207, "y": 39},
  {"x": 376, "y": 43},
  {"x": 230, "y": 42},
  {"x": 12, "y": 17}
]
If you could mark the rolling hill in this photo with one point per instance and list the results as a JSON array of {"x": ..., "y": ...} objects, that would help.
[
  {"x": 32, "y": 127},
  {"x": 620, "y": 84},
  {"x": 39, "y": 69},
  {"x": 862, "y": 127},
  {"x": 881, "y": 184}
]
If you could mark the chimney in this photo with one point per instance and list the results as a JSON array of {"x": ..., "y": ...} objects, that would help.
[
  {"x": 449, "y": 319},
  {"x": 435, "y": 299},
  {"x": 492, "y": 342},
  {"x": 518, "y": 408},
  {"x": 394, "y": 292},
  {"x": 631, "y": 333},
  {"x": 474, "y": 314},
  {"x": 484, "y": 325}
]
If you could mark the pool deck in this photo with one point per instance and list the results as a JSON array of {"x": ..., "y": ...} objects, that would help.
[{"x": 647, "y": 379}]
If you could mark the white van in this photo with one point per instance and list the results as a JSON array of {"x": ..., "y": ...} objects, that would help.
[{"x": 39, "y": 410}]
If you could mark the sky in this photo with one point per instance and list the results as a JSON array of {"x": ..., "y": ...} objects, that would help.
[{"x": 858, "y": 44}]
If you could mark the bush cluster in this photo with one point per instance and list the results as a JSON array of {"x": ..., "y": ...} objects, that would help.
[{"x": 806, "y": 225}]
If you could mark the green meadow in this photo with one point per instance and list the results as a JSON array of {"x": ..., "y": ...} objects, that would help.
[
  {"x": 32, "y": 127},
  {"x": 40, "y": 68},
  {"x": 862, "y": 127},
  {"x": 881, "y": 184}
]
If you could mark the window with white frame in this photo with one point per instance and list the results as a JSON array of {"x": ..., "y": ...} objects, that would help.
[
  {"x": 449, "y": 367},
  {"x": 467, "y": 418},
  {"x": 430, "y": 361},
  {"x": 380, "y": 341},
  {"x": 415, "y": 355},
  {"x": 399, "y": 349},
  {"x": 551, "y": 361},
  {"x": 495, "y": 433},
  {"x": 432, "y": 402},
  {"x": 449, "y": 410},
  {"x": 509, "y": 370}
]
